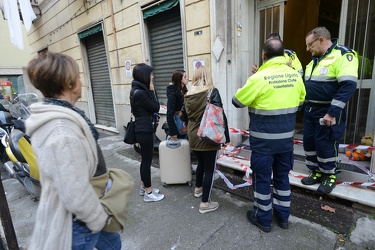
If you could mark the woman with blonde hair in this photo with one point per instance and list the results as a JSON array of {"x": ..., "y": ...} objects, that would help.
[{"x": 194, "y": 106}]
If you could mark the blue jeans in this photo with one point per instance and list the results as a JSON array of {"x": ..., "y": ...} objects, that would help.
[{"x": 83, "y": 239}]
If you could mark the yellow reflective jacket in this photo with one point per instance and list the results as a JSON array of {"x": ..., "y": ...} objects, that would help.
[
  {"x": 273, "y": 96},
  {"x": 332, "y": 78},
  {"x": 291, "y": 56}
]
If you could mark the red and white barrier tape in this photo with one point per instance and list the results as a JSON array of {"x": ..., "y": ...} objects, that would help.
[
  {"x": 232, "y": 153},
  {"x": 364, "y": 169},
  {"x": 230, "y": 184},
  {"x": 298, "y": 142},
  {"x": 353, "y": 147},
  {"x": 244, "y": 132},
  {"x": 362, "y": 184},
  {"x": 230, "y": 150}
]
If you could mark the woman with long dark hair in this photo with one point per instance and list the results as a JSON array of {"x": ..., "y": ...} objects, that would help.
[
  {"x": 145, "y": 106},
  {"x": 175, "y": 93}
]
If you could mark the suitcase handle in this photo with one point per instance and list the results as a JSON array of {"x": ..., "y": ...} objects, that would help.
[{"x": 173, "y": 144}]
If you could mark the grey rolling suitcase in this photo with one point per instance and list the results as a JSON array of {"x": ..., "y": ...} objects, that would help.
[{"x": 175, "y": 165}]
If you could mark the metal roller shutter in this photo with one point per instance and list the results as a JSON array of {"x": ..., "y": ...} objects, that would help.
[
  {"x": 166, "y": 48},
  {"x": 100, "y": 80}
]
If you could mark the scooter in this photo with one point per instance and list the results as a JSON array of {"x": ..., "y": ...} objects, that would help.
[
  {"x": 5, "y": 126},
  {"x": 21, "y": 162}
]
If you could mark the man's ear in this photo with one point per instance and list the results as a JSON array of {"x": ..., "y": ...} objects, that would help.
[{"x": 264, "y": 58}]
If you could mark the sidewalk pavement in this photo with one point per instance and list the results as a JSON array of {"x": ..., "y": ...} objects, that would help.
[{"x": 175, "y": 222}]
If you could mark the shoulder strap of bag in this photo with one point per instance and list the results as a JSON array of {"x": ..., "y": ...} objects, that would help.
[
  {"x": 131, "y": 106},
  {"x": 209, "y": 92}
]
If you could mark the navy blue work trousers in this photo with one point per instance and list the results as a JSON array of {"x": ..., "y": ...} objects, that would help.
[
  {"x": 320, "y": 142},
  {"x": 263, "y": 166}
]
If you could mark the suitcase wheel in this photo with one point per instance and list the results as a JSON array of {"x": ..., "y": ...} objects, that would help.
[
  {"x": 165, "y": 184},
  {"x": 189, "y": 183}
]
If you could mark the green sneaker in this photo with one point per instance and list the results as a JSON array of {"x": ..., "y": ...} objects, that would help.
[
  {"x": 327, "y": 185},
  {"x": 314, "y": 177}
]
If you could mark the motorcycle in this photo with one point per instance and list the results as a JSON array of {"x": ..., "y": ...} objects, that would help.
[
  {"x": 5, "y": 126},
  {"x": 20, "y": 161}
]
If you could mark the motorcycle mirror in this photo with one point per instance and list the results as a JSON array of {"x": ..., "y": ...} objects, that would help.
[{"x": 4, "y": 105}]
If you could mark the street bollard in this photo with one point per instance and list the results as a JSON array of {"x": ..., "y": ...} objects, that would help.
[{"x": 6, "y": 220}]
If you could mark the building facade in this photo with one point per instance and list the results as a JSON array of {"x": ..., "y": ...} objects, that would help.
[
  {"x": 13, "y": 62},
  {"x": 108, "y": 37}
]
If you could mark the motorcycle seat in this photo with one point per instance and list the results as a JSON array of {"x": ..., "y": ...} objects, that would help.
[{"x": 14, "y": 137}]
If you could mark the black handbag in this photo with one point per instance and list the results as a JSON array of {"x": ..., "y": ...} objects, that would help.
[{"x": 129, "y": 136}]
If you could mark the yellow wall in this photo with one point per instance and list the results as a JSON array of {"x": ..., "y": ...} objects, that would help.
[
  {"x": 10, "y": 55},
  {"x": 124, "y": 35},
  {"x": 197, "y": 14},
  {"x": 57, "y": 28}
]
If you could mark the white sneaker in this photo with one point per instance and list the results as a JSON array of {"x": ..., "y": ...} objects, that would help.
[
  {"x": 142, "y": 191},
  {"x": 212, "y": 206},
  {"x": 153, "y": 197},
  {"x": 198, "y": 192}
]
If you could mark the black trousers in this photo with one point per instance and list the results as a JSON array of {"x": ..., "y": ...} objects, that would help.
[
  {"x": 205, "y": 172},
  {"x": 146, "y": 140}
]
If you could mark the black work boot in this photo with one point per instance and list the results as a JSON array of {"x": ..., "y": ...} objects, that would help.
[
  {"x": 314, "y": 177},
  {"x": 327, "y": 185},
  {"x": 282, "y": 223},
  {"x": 253, "y": 220}
]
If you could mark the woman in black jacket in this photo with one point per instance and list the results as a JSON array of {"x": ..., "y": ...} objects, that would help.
[
  {"x": 145, "y": 106},
  {"x": 175, "y": 93}
]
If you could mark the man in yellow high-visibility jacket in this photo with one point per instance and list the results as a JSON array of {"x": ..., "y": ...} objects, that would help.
[
  {"x": 290, "y": 55},
  {"x": 273, "y": 95},
  {"x": 330, "y": 81}
]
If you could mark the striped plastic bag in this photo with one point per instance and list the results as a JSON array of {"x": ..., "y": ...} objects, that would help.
[{"x": 212, "y": 128}]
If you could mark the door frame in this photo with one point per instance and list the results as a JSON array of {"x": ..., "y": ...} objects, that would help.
[
  {"x": 264, "y": 5},
  {"x": 362, "y": 83}
]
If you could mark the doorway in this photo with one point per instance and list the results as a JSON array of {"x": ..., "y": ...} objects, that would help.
[
  {"x": 300, "y": 17},
  {"x": 351, "y": 21}
]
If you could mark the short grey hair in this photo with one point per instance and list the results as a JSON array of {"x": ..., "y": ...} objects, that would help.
[{"x": 320, "y": 31}]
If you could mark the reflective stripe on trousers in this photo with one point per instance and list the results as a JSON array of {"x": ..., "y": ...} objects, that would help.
[
  {"x": 321, "y": 152},
  {"x": 263, "y": 165}
]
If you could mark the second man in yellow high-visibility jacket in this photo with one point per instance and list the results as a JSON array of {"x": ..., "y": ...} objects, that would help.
[
  {"x": 290, "y": 55},
  {"x": 273, "y": 95}
]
